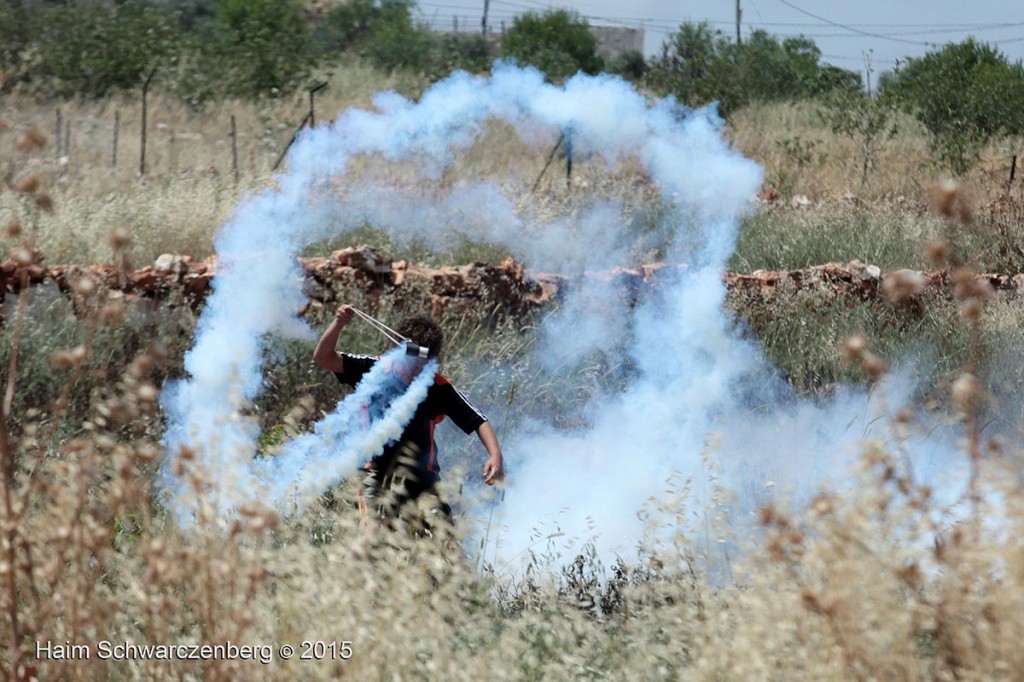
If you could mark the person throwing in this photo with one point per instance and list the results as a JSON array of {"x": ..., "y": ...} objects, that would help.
[{"x": 408, "y": 468}]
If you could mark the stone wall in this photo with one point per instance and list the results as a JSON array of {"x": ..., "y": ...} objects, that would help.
[{"x": 506, "y": 289}]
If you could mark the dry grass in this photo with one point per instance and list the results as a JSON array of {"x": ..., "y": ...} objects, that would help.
[
  {"x": 878, "y": 582},
  {"x": 190, "y": 187}
]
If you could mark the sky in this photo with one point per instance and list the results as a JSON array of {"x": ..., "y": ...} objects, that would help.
[{"x": 887, "y": 30}]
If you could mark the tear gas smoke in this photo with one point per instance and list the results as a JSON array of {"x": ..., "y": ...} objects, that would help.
[
  {"x": 313, "y": 462},
  {"x": 693, "y": 374}
]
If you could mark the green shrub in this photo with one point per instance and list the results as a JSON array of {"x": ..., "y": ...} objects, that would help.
[
  {"x": 468, "y": 52},
  {"x": 965, "y": 94},
  {"x": 630, "y": 64},
  {"x": 262, "y": 47},
  {"x": 94, "y": 49},
  {"x": 382, "y": 31},
  {"x": 699, "y": 65},
  {"x": 557, "y": 42},
  {"x": 18, "y": 34},
  {"x": 346, "y": 27}
]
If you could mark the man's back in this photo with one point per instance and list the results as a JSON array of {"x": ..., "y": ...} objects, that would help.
[{"x": 443, "y": 399}]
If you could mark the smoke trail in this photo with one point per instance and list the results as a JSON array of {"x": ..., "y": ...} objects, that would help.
[
  {"x": 314, "y": 462},
  {"x": 692, "y": 375}
]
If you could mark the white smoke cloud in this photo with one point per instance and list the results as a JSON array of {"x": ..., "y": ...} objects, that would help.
[
  {"x": 693, "y": 374},
  {"x": 307, "y": 465}
]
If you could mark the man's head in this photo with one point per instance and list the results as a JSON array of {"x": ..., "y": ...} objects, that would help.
[{"x": 422, "y": 331}]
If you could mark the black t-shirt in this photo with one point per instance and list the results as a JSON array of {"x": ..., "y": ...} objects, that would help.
[{"x": 442, "y": 400}]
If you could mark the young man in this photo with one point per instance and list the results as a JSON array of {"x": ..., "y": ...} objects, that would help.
[{"x": 408, "y": 467}]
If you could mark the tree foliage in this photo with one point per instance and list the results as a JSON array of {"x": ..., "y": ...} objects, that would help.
[
  {"x": 699, "y": 65},
  {"x": 262, "y": 46},
  {"x": 19, "y": 36},
  {"x": 557, "y": 42},
  {"x": 386, "y": 33},
  {"x": 93, "y": 49},
  {"x": 965, "y": 94}
]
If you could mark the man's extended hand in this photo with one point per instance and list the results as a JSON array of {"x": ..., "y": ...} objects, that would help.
[
  {"x": 344, "y": 313},
  {"x": 325, "y": 354},
  {"x": 494, "y": 470}
]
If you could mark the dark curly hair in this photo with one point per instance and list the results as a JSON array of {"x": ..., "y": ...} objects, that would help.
[{"x": 423, "y": 331}]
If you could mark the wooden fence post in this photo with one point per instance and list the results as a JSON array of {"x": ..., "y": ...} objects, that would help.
[
  {"x": 145, "y": 93},
  {"x": 117, "y": 130},
  {"x": 56, "y": 134},
  {"x": 234, "y": 148}
]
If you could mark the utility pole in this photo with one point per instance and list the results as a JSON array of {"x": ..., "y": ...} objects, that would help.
[
  {"x": 739, "y": 18},
  {"x": 483, "y": 22}
]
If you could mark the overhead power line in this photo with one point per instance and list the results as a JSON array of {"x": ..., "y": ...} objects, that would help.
[
  {"x": 869, "y": 34},
  {"x": 667, "y": 24}
]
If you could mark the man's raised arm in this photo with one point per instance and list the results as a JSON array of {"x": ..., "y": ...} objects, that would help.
[{"x": 326, "y": 355}]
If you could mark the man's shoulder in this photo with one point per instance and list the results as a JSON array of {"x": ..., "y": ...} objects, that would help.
[{"x": 354, "y": 366}]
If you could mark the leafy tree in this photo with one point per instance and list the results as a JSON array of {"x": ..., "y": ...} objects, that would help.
[
  {"x": 91, "y": 49},
  {"x": 395, "y": 41},
  {"x": 191, "y": 14},
  {"x": 19, "y": 34},
  {"x": 862, "y": 115},
  {"x": 699, "y": 65},
  {"x": 630, "y": 64},
  {"x": 965, "y": 94},
  {"x": 466, "y": 51},
  {"x": 382, "y": 31},
  {"x": 558, "y": 42},
  {"x": 251, "y": 48},
  {"x": 691, "y": 65},
  {"x": 346, "y": 26}
]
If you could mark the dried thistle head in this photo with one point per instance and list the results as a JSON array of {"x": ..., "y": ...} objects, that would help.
[
  {"x": 13, "y": 229},
  {"x": 854, "y": 347},
  {"x": 147, "y": 452},
  {"x": 5, "y": 124},
  {"x": 903, "y": 285},
  {"x": 970, "y": 310},
  {"x": 966, "y": 393},
  {"x": 944, "y": 198},
  {"x": 84, "y": 286},
  {"x": 967, "y": 284},
  {"x": 61, "y": 360},
  {"x": 911, "y": 575},
  {"x": 938, "y": 252},
  {"x": 112, "y": 313},
  {"x": 120, "y": 237},
  {"x": 949, "y": 200},
  {"x": 44, "y": 202},
  {"x": 32, "y": 140},
  {"x": 79, "y": 354},
  {"x": 822, "y": 504},
  {"x": 810, "y": 600},
  {"x": 147, "y": 393},
  {"x": 28, "y": 184},
  {"x": 24, "y": 256},
  {"x": 873, "y": 365},
  {"x": 141, "y": 366}
]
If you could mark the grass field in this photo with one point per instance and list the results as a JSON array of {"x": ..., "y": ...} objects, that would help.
[{"x": 885, "y": 579}]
